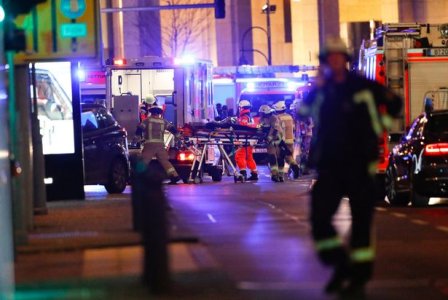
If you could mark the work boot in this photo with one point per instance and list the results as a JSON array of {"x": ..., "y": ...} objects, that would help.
[
  {"x": 275, "y": 178},
  {"x": 174, "y": 179},
  {"x": 296, "y": 171},
  {"x": 281, "y": 177},
  {"x": 253, "y": 176},
  {"x": 244, "y": 174},
  {"x": 338, "y": 279},
  {"x": 355, "y": 290}
]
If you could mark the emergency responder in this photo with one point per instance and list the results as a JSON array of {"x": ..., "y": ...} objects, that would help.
[
  {"x": 302, "y": 135},
  {"x": 270, "y": 125},
  {"x": 144, "y": 107},
  {"x": 349, "y": 113},
  {"x": 153, "y": 129},
  {"x": 244, "y": 156},
  {"x": 287, "y": 144}
]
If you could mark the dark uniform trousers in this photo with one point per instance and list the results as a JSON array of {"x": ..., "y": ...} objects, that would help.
[{"x": 331, "y": 186}]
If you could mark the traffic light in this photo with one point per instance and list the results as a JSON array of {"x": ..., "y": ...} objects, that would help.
[
  {"x": 14, "y": 8},
  {"x": 14, "y": 38},
  {"x": 220, "y": 9}
]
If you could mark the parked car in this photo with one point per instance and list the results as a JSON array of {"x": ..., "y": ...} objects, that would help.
[
  {"x": 106, "y": 155},
  {"x": 418, "y": 164}
]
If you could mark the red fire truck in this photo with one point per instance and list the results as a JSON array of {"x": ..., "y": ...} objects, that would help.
[{"x": 412, "y": 60}]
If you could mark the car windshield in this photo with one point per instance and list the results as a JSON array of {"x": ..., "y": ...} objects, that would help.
[{"x": 438, "y": 125}]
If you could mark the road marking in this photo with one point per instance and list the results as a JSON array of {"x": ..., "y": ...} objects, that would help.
[
  {"x": 399, "y": 215},
  {"x": 442, "y": 228},
  {"x": 211, "y": 218},
  {"x": 380, "y": 209},
  {"x": 419, "y": 222}
]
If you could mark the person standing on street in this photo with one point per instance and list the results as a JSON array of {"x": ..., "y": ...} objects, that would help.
[
  {"x": 153, "y": 130},
  {"x": 302, "y": 135},
  {"x": 349, "y": 114},
  {"x": 287, "y": 144},
  {"x": 270, "y": 125},
  {"x": 244, "y": 156}
]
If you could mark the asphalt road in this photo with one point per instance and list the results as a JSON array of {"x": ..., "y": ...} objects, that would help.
[{"x": 259, "y": 234}]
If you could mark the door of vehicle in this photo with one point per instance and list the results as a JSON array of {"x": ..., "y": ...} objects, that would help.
[
  {"x": 406, "y": 153},
  {"x": 90, "y": 135}
]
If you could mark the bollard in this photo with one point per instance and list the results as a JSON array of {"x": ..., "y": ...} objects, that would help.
[
  {"x": 138, "y": 168},
  {"x": 151, "y": 220}
]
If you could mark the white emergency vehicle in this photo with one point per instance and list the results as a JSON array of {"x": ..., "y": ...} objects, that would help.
[{"x": 182, "y": 86}]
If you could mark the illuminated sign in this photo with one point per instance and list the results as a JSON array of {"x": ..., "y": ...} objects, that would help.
[
  {"x": 63, "y": 29},
  {"x": 54, "y": 107}
]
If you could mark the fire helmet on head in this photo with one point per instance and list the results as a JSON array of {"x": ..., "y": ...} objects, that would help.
[
  {"x": 265, "y": 109},
  {"x": 244, "y": 104},
  {"x": 334, "y": 44},
  {"x": 279, "y": 106},
  {"x": 150, "y": 99}
]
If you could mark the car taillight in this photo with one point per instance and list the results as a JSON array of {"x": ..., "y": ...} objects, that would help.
[
  {"x": 185, "y": 156},
  {"x": 436, "y": 149}
]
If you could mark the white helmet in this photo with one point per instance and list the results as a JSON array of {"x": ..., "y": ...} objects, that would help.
[
  {"x": 156, "y": 109},
  {"x": 150, "y": 99},
  {"x": 294, "y": 104},
  {"x": 265, "y": 109},
  {"x": 279, "y": 106},
  {"x": 244, "y": 103}
]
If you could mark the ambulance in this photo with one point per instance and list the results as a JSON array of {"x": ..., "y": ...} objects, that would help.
[{"x": 182, "y": 86}]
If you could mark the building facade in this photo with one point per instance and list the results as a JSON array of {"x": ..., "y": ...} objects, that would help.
[{"x": 297, "y": 28}]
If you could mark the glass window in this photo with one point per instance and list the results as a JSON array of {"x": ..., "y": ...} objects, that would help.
[
  {"x": 438, "y": 124},
  {"x": 88, "y": 121}
]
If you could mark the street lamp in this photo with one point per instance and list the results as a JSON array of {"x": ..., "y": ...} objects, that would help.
[
  {"x": 268, "y": 9},
  {"x": 243, "y": 60}
]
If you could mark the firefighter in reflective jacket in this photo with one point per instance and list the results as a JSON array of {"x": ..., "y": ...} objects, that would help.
[
  {"x": 244, "y": 156},
  {"x": 153, "y": 131},
  {"x": 287, "y": 144},
  {"x": 350, "y": 113},
  {"x": 270, "y": 124}
]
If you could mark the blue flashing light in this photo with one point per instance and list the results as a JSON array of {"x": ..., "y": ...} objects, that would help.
[
  {"x": 2, "y": 14},
  {"x": 250, "y": 86},
  {"x": 81, "y": 75}
]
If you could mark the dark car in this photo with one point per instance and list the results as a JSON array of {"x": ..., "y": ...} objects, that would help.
[
  {"x": 418, "y": 165},
  {"x": 106, "y": 155}
]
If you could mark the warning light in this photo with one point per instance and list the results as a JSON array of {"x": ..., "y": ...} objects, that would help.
[{"x": 119, "y": 61}]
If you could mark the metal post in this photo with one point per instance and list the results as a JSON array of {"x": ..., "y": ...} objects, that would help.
[
  {"x": 268, "y": 29},
  {"x": 149, "y": 213}
]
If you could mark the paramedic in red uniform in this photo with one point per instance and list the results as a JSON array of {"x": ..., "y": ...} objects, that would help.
[
  {"x": 350, "y": 114},
  {"x": 244, "y": 156}
]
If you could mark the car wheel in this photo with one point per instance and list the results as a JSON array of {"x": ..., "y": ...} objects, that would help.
[
  {"x": 395, "y": 198},
  {"x": 216, "y": 174},
  {"x": 118, "y": 177}
]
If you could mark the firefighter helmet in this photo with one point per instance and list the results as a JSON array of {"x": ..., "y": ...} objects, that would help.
[
  {"x": 279, "y": 106},
  {"x": 155, "y": 109},
  {"x": 334, "y": 44},
  {"x": 265, "y": 109},
  {"x": 150, "y": 99},
  {"x": 244, "y": 104}
]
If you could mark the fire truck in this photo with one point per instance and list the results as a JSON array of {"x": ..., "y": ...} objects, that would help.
[
  {"x": 182, "y": 86},
  {"x": 412, "y": 60}
]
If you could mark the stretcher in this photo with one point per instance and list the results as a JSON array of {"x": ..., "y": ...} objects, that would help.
[{"x": 203, "y": 138}]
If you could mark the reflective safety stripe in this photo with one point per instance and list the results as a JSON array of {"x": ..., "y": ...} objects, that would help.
[
  {"x": 273, "y": 168},
  {"x": 366, "y": 254},
  {"x": 366, "y": 96},
  {"x": 328, "y": 244},
  {"x": 372, "y": 167},
  {"x": 170, "y": 171},
  {"x": 387, "y": 121}
]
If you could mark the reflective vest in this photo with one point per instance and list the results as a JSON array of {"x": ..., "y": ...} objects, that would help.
[{"x": 287, "y": 124}]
